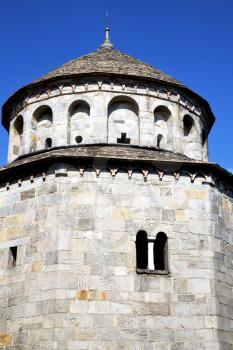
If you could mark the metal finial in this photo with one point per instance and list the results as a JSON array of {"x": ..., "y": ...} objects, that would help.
[{"x": 107, "y": 43}]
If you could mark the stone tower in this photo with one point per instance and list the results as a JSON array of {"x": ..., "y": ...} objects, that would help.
[{"x": 115, "y": 231}]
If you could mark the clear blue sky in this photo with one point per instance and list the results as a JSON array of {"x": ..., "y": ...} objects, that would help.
[{"x": 190, "y": 39}]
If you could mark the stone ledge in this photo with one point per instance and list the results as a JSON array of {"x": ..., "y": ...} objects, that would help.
[{"x": 152, "y": 272}]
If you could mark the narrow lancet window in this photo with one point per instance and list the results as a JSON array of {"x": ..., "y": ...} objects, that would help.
[
  {"x": 12, "y": 257},
  {"x": 160, "y": 252},
  {"x": 203, "y": 138},
  {"x": 142, "y": 250}
]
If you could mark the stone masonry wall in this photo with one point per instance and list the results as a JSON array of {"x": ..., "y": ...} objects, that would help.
[
  {"x": 222, "y": 220},
  {"x": 75, "y": 284}
]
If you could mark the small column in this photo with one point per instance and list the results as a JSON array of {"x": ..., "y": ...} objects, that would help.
[{"x": 151, "y": 265}]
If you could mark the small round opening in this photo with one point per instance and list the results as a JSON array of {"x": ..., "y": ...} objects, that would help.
[
  {"x": 78, "y": 139},
  {"x": 48, "y": 143}
]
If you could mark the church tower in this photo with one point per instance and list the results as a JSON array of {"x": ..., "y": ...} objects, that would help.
[{"x": 116, "y": 231}]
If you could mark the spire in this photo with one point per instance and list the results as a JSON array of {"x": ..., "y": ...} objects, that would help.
[{"x": 107, "y": 43}]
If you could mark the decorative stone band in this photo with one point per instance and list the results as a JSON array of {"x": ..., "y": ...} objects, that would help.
[
  {"x": 60, "y": 162},
  {"x": 72, "y": 86}
]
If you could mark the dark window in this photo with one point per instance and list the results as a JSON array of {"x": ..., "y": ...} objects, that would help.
[
  {"x": 142, "y": 250},
  {"x": 160, "y": 252},
  {"x": 19, "y": 125},
  {"x": 123, "y": 139},
  {"x": 203, "y": 137},
  {"x": 48, "y": 143},
  {"x": 161, "y": 113},
  {"x": 188, "y": 124},
  {"x": 159, "y": 139},
  {"x": 12, "y": 256},
  {"x": 42, "y": 116}
]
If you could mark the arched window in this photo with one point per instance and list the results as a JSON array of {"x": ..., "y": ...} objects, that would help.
[
  {"x": 42, "y": 117},
  {"x": 123, "y": 123},
  {"x": 48, "y": 143},
  {"x": 160, "y": 252},
  {"x": 191, "y": 139},
  {"x": 18, "y": 125},
  {"x": 41, "y": 122},
  {"x": 142, "y": 250},
  {"x": 188, "y": 125},
  {"x": 78, "y": 121},
  {"x": 162, "y": 127},
  {"x": 18, "y": 135}
]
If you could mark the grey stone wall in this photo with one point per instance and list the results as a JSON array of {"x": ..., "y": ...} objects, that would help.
[{"x": 75, "y": 284}]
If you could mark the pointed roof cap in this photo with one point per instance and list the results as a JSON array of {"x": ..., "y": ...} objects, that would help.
[{"x": 107, "y": 43}]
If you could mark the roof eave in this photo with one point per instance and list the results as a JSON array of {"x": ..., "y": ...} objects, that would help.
[{"x": 26, "y": 166}]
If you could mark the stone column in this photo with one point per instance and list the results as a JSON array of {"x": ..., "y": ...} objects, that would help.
[{"x": 151, "y": 265}]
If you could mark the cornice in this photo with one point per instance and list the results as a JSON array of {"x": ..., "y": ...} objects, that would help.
[
  {"x": 81, "y": 84},
  {"x": 105, "y": 158}
]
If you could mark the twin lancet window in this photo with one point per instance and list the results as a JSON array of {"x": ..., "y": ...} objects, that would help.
[{"x": 152, "y": 255}]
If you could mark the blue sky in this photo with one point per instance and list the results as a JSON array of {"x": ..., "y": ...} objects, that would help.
[{"x": 190, "y": 40}]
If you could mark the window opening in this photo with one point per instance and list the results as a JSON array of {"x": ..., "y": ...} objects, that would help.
[
  {"x": 188, "y": 124},
  {"x": 48, "y": 143},
  {"x": 159, "y": 139},
  {"x": 78, "y": 139},
  {"x": 142, "y": 250},
  {"x": 203, "y": 138},
  {"x": 123, "y": 139},
  {"x": 160, "y": 251},
  {"x": 12, "y": 256}
]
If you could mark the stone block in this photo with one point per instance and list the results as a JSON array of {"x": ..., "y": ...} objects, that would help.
[
  {"x": 186, "y": 298},
  {"x": 199, "y": 286},
  {"x": 121, "y": 213},
  {"x": 86, "y": 224},
  {"x": 28, "y": 194},
  {"x": 51, "y": 258},
  {"x": 99, "y": 307},
  {"x": 197, "y": 194},
  {"x": 168, "y": 215},
  {"x": 79, "y": 307},
  {"x": 155, "y": 309},
  {"x": 5, "y": 339},
  {"x": 181, "y": 215},
  {"x": 91, "y": 295},
  {"x": 180, "y": 286}
]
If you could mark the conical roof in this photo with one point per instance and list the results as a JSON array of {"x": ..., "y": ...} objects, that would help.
[{"x": 107, "y": 60}]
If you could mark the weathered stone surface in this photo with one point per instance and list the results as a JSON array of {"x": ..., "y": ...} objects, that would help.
[{"x": 5, "y": 339}]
